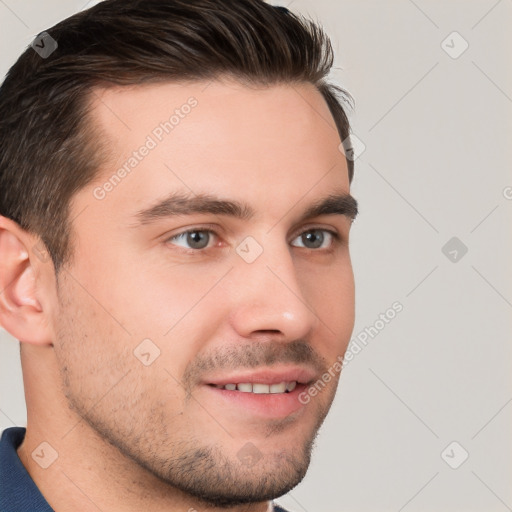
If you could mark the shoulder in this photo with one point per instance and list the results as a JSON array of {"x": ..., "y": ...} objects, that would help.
[
  {"x": 277, "y": 508},
  {"x": 18, "y": 492}
]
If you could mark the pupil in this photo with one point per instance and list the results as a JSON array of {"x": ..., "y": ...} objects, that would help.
[
  {"x": 313, "y": 239},
  {"x": 197, "y": 239}
]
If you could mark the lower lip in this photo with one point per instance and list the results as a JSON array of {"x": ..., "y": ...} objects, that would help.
[{"x": 267, "y": 405}]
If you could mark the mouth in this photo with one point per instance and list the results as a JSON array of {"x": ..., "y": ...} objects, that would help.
[
  {"x": 259, "y": 388},
  {"x": 267, "y": 393}
]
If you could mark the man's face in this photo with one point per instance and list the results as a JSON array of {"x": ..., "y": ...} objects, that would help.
[{"x": 151, "y": 321}]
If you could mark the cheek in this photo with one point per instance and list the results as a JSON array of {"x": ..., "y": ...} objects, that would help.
[
  {"x": 158, "y": 297},
  {"x": 331, "y": 293},
  {"x": 103, "y": 379},
  {"x": 105, "y": 323},
  {"x": 91, "y": 348}
]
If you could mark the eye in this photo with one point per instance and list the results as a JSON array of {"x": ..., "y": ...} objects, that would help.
[
  {"x": 315, "y": 239},
  {"x": 193, "y": 239}
]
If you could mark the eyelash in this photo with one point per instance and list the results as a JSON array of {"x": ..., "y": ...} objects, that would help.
[{"x": 334, "y": 234}]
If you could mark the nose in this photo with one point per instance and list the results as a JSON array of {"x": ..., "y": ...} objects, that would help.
[{"x": 268, "y": 299}]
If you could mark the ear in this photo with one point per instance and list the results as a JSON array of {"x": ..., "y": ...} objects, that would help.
[{"x": 21, "y": 313}]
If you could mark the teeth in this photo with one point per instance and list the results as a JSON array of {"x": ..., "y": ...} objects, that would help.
[
  {"x": 257, "y": 388},
  {"x": 261, "y": 388},
  {"x": 278, "y": 388},
  {"x": 290, "y": 386}
]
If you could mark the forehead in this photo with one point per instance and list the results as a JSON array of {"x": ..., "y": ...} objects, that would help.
[{"x": 217, "y": 137}]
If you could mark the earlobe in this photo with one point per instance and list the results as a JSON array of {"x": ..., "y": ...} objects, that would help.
[{"x": 21, "y": 312}]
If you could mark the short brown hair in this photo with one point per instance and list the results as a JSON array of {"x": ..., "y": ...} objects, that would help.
[{"x": 48, "y": 149}]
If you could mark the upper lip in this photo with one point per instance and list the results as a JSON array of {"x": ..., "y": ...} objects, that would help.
[{"x": 267, "y": 375}]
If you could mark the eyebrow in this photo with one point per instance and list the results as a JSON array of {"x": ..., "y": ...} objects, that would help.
[
  {"x": 183, "y": 204},
  {"x": 334, "y": 204}
]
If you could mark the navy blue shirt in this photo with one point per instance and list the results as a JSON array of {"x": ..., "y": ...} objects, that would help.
[{"x": 18, "y": 492}]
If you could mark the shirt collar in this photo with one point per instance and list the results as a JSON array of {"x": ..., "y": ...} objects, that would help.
[{"x": 19, "y": 492}]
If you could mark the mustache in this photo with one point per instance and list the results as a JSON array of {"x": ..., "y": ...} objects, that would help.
[{"x": 253, "y": 354}]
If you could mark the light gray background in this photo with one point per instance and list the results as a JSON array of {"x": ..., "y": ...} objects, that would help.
[{"x": 437, "y": 132}]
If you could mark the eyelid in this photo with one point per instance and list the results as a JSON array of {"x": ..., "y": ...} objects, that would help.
[
  {"x": 336, "y": 239},
  {"x": 186, "y": 232},
  {"x": 305, "y": 229},
  {"x": 214, "y": 229},
  {"x": 211, "y": 228},
  {"x": 204, "y": 228}
]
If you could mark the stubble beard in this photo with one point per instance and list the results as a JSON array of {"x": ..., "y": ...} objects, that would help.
[{"x": 209, "y": 472}]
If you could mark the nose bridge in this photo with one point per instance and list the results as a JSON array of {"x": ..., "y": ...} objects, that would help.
[{"x": 269, "y": 295}]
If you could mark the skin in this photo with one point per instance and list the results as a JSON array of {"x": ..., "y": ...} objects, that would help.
[{"x": 131, "y": 436}]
